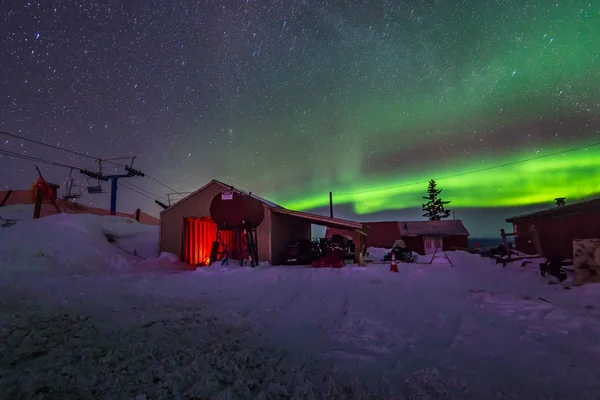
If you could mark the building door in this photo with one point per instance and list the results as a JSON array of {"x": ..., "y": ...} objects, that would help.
[
  {"x": 198, "y": 237},
  {"x": 433, "y": 243}
]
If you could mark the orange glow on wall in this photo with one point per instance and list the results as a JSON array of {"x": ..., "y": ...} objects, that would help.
[{"x": 198, "y": 236}]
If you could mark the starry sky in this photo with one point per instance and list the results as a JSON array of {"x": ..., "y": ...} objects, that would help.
[{"x": 497, "y": 100}]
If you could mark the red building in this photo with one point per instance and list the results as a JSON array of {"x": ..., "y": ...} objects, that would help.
[
  {"x": 423, "y": 237},
  {"x": 556, "y": 228}
]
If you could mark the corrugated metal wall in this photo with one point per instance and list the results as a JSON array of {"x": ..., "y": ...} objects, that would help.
[
  {"x": 556, "y": 234},
  {"x": 199, "y": 235}
]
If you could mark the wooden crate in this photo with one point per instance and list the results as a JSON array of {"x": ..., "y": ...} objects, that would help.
[{"x": 586, "y": 261}]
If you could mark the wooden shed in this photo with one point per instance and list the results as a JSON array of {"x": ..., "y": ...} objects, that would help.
[
  {"x": 554, "y": 229},
  {"x": 279, "y": 227},
  {"x": 423, "y": 237}
]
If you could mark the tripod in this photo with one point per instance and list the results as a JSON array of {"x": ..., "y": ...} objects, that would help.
[{"x": 438, "y": 248}]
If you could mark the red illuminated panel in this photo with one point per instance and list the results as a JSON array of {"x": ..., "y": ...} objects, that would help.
[{"x": 199, "y": 234}]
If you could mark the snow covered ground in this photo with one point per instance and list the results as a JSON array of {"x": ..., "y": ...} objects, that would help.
[{"x": 82, "y": 318}]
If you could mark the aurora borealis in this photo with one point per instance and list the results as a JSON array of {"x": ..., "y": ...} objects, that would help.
[{"x": 291, "y": 100}]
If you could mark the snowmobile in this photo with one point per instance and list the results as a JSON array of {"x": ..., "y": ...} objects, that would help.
[
  {"x": 301, "y": 252},
  {"x": 333, "y": 258},
  {"x": 401, "y": 253}
]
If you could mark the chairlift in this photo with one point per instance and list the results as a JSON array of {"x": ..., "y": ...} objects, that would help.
[
  {"x": 72, "y": 190},
  {"x": 95, "y": 189}
]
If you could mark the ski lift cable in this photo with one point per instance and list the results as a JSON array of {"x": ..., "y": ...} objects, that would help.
[
  {"x": 64, "y": 149},
  {"x": 57, "y": 164},
  {"x": 126, "y": 186},
  {"x": 36, "y": 159},
  {"x": 491, "y": 167},
  {"x": 108, "y": 160},
  {"x": 163, "y": 185},
  {"x": 155, "y": 196}
]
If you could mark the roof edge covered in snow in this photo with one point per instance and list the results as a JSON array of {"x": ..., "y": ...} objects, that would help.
[
  {"x": 313, "y": 218},
  {"x": 225, "y": 186},
  {"x": 321, "y": 219},
  {"x": 591, "y": 205},
  {"x": 23, "y": 197},
  {"x": 445, "y": 227}
]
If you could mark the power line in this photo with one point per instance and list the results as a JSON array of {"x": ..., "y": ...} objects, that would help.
[
  {"x": 155, "y": 196},
  {"x": 135, "y": 190},
  {"x": 52, "y": 163},
  {"x": 109, "y": 160},
  {"x": 162, "y": 184},
  {"x": 508, "y": 164},
  {"x": 61, "y": 148},
  {"x": 36, "y": 159}
]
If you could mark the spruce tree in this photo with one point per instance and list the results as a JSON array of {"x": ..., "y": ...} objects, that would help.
[{"x": 434, "y": 209}]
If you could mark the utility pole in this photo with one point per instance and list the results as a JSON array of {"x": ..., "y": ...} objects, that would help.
[
  {"x": 131, "y": 172},
  {"x": 330, "y": 204}
]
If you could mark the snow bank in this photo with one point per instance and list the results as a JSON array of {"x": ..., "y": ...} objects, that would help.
[
  {"x": 74, "y": 242},
  {"x": 376, "y": 253},
  {"x": 17, "y": 211},
  {"x": 473, "y": 330}
]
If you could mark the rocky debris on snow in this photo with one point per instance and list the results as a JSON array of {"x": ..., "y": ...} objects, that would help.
[{"x": 65, "y": 355}]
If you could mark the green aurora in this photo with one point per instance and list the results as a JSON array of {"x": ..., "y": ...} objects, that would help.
[
  {"x": 573, "y": 175},
  {"x": 537, "y": 63}
]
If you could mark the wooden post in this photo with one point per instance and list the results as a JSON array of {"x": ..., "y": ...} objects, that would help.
[
  {"x": 331, "y": 204},
  {"x": 357, "y": 246},
  {"x": 504, "y": 242},
  {"x": 5, "y": 199},
  {"x": 137, "y": 215},
  {"x": 37, "y": 210}
]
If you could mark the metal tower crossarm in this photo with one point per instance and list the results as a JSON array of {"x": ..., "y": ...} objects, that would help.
[{"x": 131, "y": 172}]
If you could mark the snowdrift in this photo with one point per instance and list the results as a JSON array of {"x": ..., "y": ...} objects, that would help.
[{"x": 73, "y": 242}]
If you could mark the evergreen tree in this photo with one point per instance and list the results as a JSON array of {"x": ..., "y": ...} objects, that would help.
[{"x": 434, "y": 209}]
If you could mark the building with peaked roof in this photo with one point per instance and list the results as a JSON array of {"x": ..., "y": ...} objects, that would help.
[
  {"x": 422, "y": 237},
  {"x": 279, "y": 227},
  {"x": 555, "y": 228}
]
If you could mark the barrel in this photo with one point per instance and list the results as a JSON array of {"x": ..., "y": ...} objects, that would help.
[{"x": 233, "y": 210}]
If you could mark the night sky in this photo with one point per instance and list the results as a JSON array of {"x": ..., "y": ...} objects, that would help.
[{"x": 292, "y": 99}]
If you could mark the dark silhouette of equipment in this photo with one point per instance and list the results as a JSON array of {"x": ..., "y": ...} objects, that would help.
[{"x": 160, "y": 203}]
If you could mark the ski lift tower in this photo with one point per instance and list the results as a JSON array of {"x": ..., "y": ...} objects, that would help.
[{"x": 131, "y": 172}]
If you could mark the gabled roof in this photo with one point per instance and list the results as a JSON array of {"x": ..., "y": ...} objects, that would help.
[
  {"x": 225, "y": 186},
  {"x": 313, "y": 218},
  {"x": 592, "y": 205},
  {"x": 445, "y": 227}
]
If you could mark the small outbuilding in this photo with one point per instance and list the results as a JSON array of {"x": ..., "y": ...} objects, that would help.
[
  {"x": 551, "y": 232},
  {"x": 423, "y": 237},
  {"x": 187, "y": 230}
]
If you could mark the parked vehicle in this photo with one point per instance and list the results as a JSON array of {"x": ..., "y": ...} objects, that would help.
[
  {"x": 301, "y": 252},
  {"x": 402, "y": 254},
  {"x": 344, "y": 244}
]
